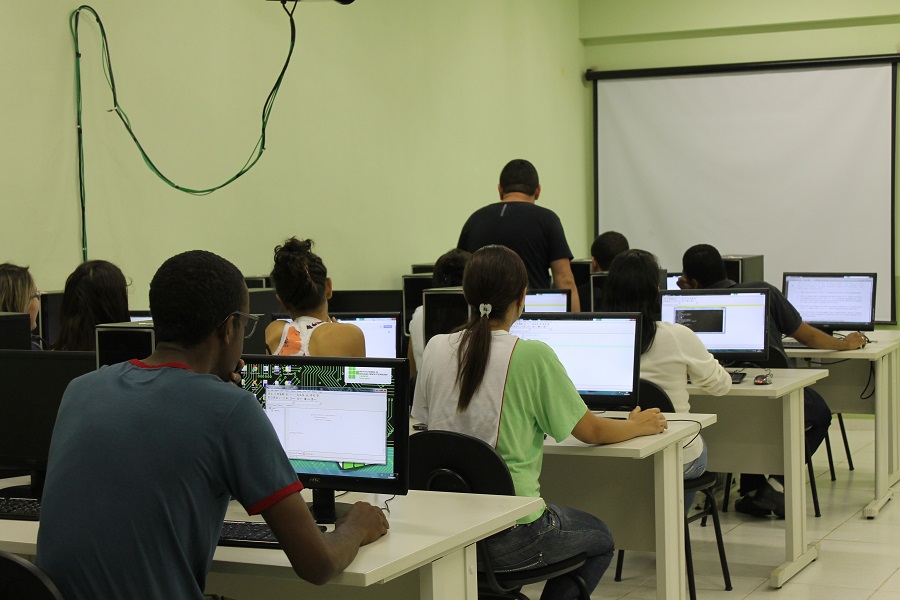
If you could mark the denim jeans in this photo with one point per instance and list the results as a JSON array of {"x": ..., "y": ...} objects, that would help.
[
  {"x": 561, "y": 532},
  {"x": 692, "y": 470}
]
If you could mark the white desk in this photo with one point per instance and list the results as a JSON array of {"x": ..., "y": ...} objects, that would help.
[
  {"x": 842, "y": 390},
  {"x": 431, "y": 542},
  {"x": 642, "y": 501},
  {"x": 760, "y": 430}
]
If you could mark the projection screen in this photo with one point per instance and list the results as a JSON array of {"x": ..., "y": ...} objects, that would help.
[{"x": 794, "y": 163}]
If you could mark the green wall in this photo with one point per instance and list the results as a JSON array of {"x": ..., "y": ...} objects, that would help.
[{"x": 392, "y": 125}]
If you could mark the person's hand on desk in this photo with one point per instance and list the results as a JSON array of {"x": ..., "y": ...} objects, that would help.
[
  {"x": 855, "y": 340},
  {"x": 370, "y": 519},
  {"x": 651, "y": 421}
]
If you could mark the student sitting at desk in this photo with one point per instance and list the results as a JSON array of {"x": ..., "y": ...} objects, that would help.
[
  {"x": 19, "y": 294},
  {"x": 302, "y": 285},
  {"x": 96, "y": 292},
  {"x": 485, "y": 382},
  {"x": 702, "y": 267},
  {"x": 669, "y": 352},
  {"x": 605, "y": 248},
  {"x": 448, "y": 271},
  {"x": 147, "y": 454}
]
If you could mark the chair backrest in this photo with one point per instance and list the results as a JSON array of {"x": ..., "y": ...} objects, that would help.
[
  {"x": 446, "y": 461},
  {"x": 651, "y": 395},
  {"x": 20, "y": 578}
]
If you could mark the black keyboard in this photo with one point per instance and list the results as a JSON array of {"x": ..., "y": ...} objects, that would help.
[
  {"x": 737, "y": 377},
  {"x": 23, "y": 509},
  {"x": 251, "y": 534},
  {"x": 793, "y": 344}
]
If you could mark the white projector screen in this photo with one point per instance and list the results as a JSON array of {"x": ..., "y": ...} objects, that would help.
[{"x": 794, "y": 164}]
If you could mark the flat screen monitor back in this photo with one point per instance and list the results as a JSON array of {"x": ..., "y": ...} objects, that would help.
[
  {"x": 34, "y": 382},
  {"x": 119, "y": 342},
  {"x": 366, "y": 301},
  {"x": 444, "y": 310},
  {"x": 413, "y": 286},
  {"x": 15, "y": 331},
  {"x": 48, "y": 318}
]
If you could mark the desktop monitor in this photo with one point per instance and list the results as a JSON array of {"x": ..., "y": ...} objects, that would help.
[
  {"x": 264, "y": 302},
  {"x": 833, "y": 301},
  {"x": 15, "y": 331},
  {"x": 598, "y": 284},
  {"x": 343, "y": 422},
  {"x": 119, "y": 342},
  {"x": 34, "y": 382},
  {"x": 257, "y": 281},
  {"x": 600, "y": 351},
  {"x": 420, "y": 268},
  {"x": 443, "y": 310},
  {"x": 731, "y": 323},
  {"x": 48, "y": 318},
  {"x": 381, "y": 330},
  {"x": 671, "y": 281},
  {"x": 366, "y": 301},
  {"x": 581, "y": 270},
  {"x": 413, "y": 286},
  {"x": 139, "y": 315},
  {"x": 548, "y": 301}
]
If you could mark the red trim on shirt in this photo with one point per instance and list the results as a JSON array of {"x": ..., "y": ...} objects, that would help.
[
  {"x": 275, "y": 498},
  {"x": 143, "y": 365}
]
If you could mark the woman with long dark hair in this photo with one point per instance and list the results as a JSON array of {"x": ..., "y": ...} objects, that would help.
[
  {"x": 485, "y": 382},
  {"x": 96, "y": 292},
  {"x": 670, "y": 353},
  {"x": 19, "y": 294}
]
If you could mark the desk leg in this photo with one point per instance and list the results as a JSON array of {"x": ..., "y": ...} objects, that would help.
[
  {"x": 885, "y": 433},
  {"x": 671, "y": 578},
  {"x": 450, "y": 577},
  {"x": 797, "y": 554}
]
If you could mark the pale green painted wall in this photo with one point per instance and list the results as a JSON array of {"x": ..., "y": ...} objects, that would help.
[
  {"x": 666, "y": 33},
  {"x": 392, "y": 125}
]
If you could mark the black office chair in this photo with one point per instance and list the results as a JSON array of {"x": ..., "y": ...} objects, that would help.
[
  {"x": 446, "y": 461},
  {"x": 779, "y": 360},
  {"x": 20, "y": 578},
  {"x": 651, "y": 395}
]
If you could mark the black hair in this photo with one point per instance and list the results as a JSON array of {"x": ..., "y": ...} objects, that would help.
[
  {"x": 519, "y": 175},
  {"x": 606, "y": 247},
  {"x": 448, "y": 270},
  {"x": 633, "y": 286},
  {"x": 703, "y": 263},
  {"x": 299, "y": 275},
  {"x": 191, "y": 294},
  {"x": 96, "y": 292},
  {"x": 494, "y": 275}
]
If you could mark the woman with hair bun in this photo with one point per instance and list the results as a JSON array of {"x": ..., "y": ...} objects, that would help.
[
  {"x": 302, "y": 285},
  {"x": 485, "y": 382},
  {"x": 96, "y": 292}
]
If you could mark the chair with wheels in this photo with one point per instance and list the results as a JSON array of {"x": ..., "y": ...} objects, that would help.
[
  {"x": 446, "y": 461},
  {"x": 20, "y": 578},
  {"x": 651, "y": 395}
]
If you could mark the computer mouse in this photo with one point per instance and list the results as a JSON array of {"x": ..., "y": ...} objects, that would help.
[{"x": 764, "y": 379}]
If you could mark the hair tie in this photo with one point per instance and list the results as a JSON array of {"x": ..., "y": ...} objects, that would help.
[{"x": 485, "y": 310}]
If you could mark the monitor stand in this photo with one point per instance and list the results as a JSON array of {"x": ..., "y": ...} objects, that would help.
[{"x": 324, "y": 509}]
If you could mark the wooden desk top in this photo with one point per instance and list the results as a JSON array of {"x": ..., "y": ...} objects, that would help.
[
  {"x": 784, "y": 381},
  {"x": 882, "y": 342}
]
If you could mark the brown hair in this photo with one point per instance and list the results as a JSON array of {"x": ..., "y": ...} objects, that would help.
[{"x": 16, "y": 288}]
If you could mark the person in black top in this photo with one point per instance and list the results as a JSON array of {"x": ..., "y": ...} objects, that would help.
[
  {"x": 535, "y": 233},
  {"x": 702, "y": 267}
]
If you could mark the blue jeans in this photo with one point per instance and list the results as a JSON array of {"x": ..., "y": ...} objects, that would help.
[
  {"x": 560, "y": 533},
  {"x": 692, "y": 470}
]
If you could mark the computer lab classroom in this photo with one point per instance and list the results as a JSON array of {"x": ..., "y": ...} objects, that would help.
[{"x": 376, "y": 128}]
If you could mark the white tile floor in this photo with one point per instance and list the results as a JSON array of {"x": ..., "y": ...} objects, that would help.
[{"x": 860, "y": 558}]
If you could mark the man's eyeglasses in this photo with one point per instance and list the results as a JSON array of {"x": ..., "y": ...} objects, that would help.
[{"x": 249, "y": 326}]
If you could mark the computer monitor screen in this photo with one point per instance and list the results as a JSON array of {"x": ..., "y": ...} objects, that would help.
[
  {"x": 381, "y": 330},
  {"x": 600, "y": 351},
  {"x": 548, "y": 301},
  {"x": 833, "y": 301},
  {"x": 581, "y": 270},
  {"x": 34, "y": 382},
  {"x": 731, "y": 323},
  {"x": 48, "y": 318},
  {"x": 413, "y": 286},
  {"x": 366, "y": 301},
  {"x": 598, "y": 284},
  {"x": 444, "y": 309},
  {"x": 343, "y": 422},
  {"x": 672, "y": 281}
]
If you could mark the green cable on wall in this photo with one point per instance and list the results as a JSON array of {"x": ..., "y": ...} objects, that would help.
[{"x": 255, "y": 154}]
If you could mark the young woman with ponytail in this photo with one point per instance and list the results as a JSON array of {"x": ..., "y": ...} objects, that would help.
[
  {"x": 302, "y": 285},
  {"x": 485, "y": 382}
]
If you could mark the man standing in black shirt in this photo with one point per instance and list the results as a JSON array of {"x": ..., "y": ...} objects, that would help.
[{"x": 535, "y": 233}]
